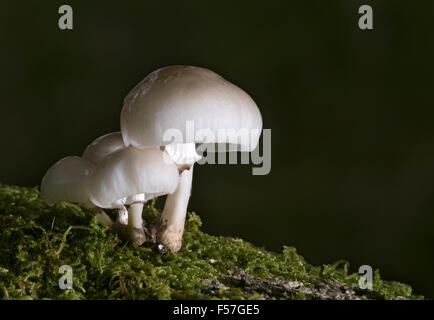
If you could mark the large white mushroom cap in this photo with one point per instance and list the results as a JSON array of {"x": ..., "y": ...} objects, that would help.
[
  {"x": 103, "y": 146},
  {"x": 67, "y": 180},
  {"x": 130, "y": 172},
  {"x": 169, "y": 97}
]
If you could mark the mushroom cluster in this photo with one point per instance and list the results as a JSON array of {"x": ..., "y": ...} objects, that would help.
[{"x": 154, "y": 154}]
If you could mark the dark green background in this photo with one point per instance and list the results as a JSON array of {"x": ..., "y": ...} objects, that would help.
[{"x": 351, "y": 113}]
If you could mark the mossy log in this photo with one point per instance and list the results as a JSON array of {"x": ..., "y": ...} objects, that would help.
[{"x": 36, "y": 240}]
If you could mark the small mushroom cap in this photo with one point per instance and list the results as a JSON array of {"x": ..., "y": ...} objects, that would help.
[
  {"x": 101, "y": 147},
  {"x": 129, "y": 172},
  {"x": 169, "y": 97},
  {"x": 67, "y": 180}
]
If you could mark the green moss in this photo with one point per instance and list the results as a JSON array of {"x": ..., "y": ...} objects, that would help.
[{"x": 35, "y": 240}]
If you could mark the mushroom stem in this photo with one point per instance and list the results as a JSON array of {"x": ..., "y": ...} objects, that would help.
[
  {"x": 135, "y": 226},
  {"x": 122, "y": 216},
  {"x": 170, "y": 228},
  {"x": 103, "y": 219}
]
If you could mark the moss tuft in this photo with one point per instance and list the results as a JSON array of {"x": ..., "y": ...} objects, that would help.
[{"x": 35, "y": 240}]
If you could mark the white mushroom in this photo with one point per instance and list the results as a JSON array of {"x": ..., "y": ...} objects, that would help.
[
  {"x": 112, "y": 176},
  {"x": 168, "y": 99},
  {"x": 96, "y": 152},
  {"x": 66, "y": 180},
  {"x": 103, "y": 146},
  {"x": 132, "y": 176}
]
